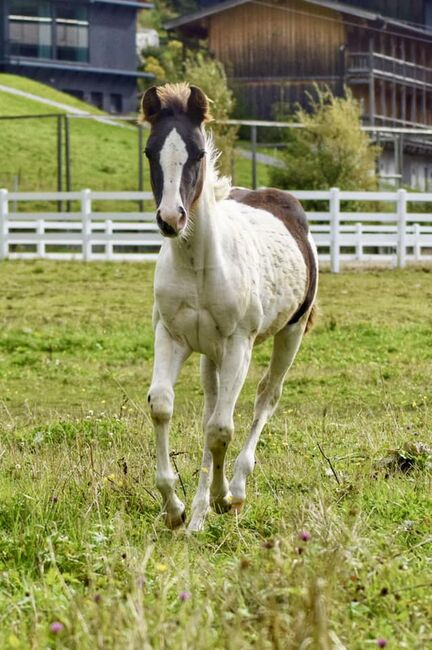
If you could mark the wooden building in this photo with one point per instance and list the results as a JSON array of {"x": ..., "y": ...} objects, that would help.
[{"x": 275, "y": 50}]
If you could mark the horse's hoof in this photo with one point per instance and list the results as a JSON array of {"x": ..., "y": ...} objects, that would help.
[
  {"x": 175, "y": 521},
  {"x": 237, "y": 507},
  {"x": 222, "y": 504}
]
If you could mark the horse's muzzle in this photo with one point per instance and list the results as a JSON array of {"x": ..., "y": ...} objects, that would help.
[{"x": 172, "y": 226}]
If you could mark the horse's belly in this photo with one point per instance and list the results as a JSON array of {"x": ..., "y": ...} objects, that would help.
[{"x": 283, "y": 283}]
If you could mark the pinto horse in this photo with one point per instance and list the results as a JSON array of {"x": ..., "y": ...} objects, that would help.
[{"x": 236, "y": 267}]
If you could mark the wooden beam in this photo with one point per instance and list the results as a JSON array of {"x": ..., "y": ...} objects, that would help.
[
  {"x": 383, "y": 106},
  {"x": 414, "y": 104},
  {"x": 372, "y": 103},
  {"x": 393, "y": 53},
  {"x": 404, "y": 89},
  {"x": 424, "y": 104}
]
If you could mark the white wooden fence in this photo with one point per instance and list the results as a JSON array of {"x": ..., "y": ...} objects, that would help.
[{"x": 396, "y": 236}]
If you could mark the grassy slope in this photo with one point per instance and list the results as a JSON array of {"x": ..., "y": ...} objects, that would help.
[
  {"x": 81, "y": 539},
  {"x": 104, "y": 157}
]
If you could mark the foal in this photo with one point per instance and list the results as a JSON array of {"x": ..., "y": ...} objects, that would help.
[{"x": 236, "y": 267}]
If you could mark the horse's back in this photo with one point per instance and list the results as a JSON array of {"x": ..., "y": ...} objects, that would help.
[{"x": 282, "y": 205}]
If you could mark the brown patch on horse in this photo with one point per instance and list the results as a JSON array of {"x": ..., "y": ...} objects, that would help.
[{"x": 289, "y": 210}]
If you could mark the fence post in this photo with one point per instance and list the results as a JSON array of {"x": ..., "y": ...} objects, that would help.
[
  {"x": 254, "y": 155},
  {"x": 4, "y": 228},
  {"x": 401, "y": 219},
  {"x": 417, "y": 247},
  {"x": 359, "y": 242},
  {"x": 40, "y": 229},
  {"x": 86, "y": 224},
  {"x": 109, "y": 248},
  {"x": 334, "y": 204}
]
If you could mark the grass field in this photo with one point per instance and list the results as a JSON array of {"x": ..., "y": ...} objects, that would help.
[{"x": 316, "y": 560}]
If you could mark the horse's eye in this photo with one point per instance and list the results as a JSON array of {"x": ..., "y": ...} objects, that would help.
[{"x": 149, "y": 154}]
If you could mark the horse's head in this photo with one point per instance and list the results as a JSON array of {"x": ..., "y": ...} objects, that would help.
[{"x": 175, "y": 150}]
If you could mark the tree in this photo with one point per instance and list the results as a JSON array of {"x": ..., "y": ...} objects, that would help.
[{"x": 331, "y": 150}]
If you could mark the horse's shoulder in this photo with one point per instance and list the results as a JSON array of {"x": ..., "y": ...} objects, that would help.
[{"x": 282, "y": 205}]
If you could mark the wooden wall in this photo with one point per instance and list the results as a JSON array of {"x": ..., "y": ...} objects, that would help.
[
  {"x": 259, "y": 41},
  {"x": 274, "y": 55}
]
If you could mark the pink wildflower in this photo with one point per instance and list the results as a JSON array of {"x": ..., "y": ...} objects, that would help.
[
  {"x": 304, "y": 535},
  {"x": 185, "y": 595},
  {"x": 56, "y": 627}
]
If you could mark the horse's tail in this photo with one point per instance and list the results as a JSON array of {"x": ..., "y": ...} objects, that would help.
[{"x": 312, "y": 317}]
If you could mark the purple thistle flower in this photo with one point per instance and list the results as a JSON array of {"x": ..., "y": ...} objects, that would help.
[
  {"x": 185, "y": 595},
  {"x": 381, "y": 643},
  {"x": 304, "y": 535},
  {"x": 56, "y": 627},
  {"x": 97, "y": 598}
]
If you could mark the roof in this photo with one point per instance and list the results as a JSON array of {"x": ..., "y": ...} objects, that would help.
[
  {"x": 71, "y": 67},
  {"x": 134, "y": 4},
  {"x": 199, "y": 16}
]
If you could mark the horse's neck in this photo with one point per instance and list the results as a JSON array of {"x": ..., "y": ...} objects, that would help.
[{"x": 201, "y": 246}]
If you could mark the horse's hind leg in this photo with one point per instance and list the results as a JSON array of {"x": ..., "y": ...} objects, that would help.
[
  {"x": 286, "y": 345},
  {"x": 201, "y": 502},
  {"x": 220, "y": 427}
]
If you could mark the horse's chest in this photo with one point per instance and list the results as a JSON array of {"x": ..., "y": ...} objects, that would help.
[{"x": 199, "y": 312}]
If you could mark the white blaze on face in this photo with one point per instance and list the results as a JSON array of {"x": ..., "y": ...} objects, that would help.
[{"x": 173, "y": 157}]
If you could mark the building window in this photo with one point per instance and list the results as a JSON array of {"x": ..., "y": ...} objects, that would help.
[
  {"x": 30, "y": 29},
  {"x": 72, "y": 33},
  {"x": 96, "y": 99},
  {"x": 44, "y": 31},
  {"x": 428, "y": 13},
  {"x": 116, "y": 103}
]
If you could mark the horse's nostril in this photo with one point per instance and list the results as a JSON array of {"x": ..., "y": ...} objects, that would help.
[
  {"x": 164, "y": 227},
  {"x": 182, "y": 212}
]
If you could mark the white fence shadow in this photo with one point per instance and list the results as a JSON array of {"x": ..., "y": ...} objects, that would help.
[{"x": 395, "y": 234}]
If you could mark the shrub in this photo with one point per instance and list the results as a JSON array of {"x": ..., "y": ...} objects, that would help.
[{"x": 331, "y": 150}]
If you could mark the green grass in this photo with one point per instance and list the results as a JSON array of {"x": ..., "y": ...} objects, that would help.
[
  {"x": 40, "y": 90},
  {"x": 82, "y": 541}
]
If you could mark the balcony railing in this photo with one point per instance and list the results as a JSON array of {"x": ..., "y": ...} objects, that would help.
[{"x": 387, "y": 67}]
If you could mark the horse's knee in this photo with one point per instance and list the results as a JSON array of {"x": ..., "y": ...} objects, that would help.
[
  {"x": 219, "y": 435},
  {"x": 161, "y": 402}
]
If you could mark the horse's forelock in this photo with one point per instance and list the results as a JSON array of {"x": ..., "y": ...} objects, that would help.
[{"x": 174, "y": 101}]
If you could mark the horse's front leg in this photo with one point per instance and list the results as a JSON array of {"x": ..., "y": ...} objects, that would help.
[
  {"x": 169, "y": 357},
  {"x": 201, "y": 502},
  {"x": 220, "y": 427}
]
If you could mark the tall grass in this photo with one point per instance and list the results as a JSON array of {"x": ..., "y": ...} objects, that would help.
[{"x": 333, "y": 547}]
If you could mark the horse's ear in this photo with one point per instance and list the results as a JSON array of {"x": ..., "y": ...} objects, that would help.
[
  {"x": 198, "y": 105},
  {"x": 151, "y": 105}
]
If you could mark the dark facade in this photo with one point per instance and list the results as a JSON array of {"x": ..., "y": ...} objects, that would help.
[{"x": 85, "y": 48}]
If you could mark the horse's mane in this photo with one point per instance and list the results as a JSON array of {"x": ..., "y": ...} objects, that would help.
[{"x": 221, "y": 184}]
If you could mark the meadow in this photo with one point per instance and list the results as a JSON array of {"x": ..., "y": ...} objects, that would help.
[{"x": 334, "y": 546}]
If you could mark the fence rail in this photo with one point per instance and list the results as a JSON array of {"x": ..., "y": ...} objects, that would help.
[{"x": 391, "y": 231}]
